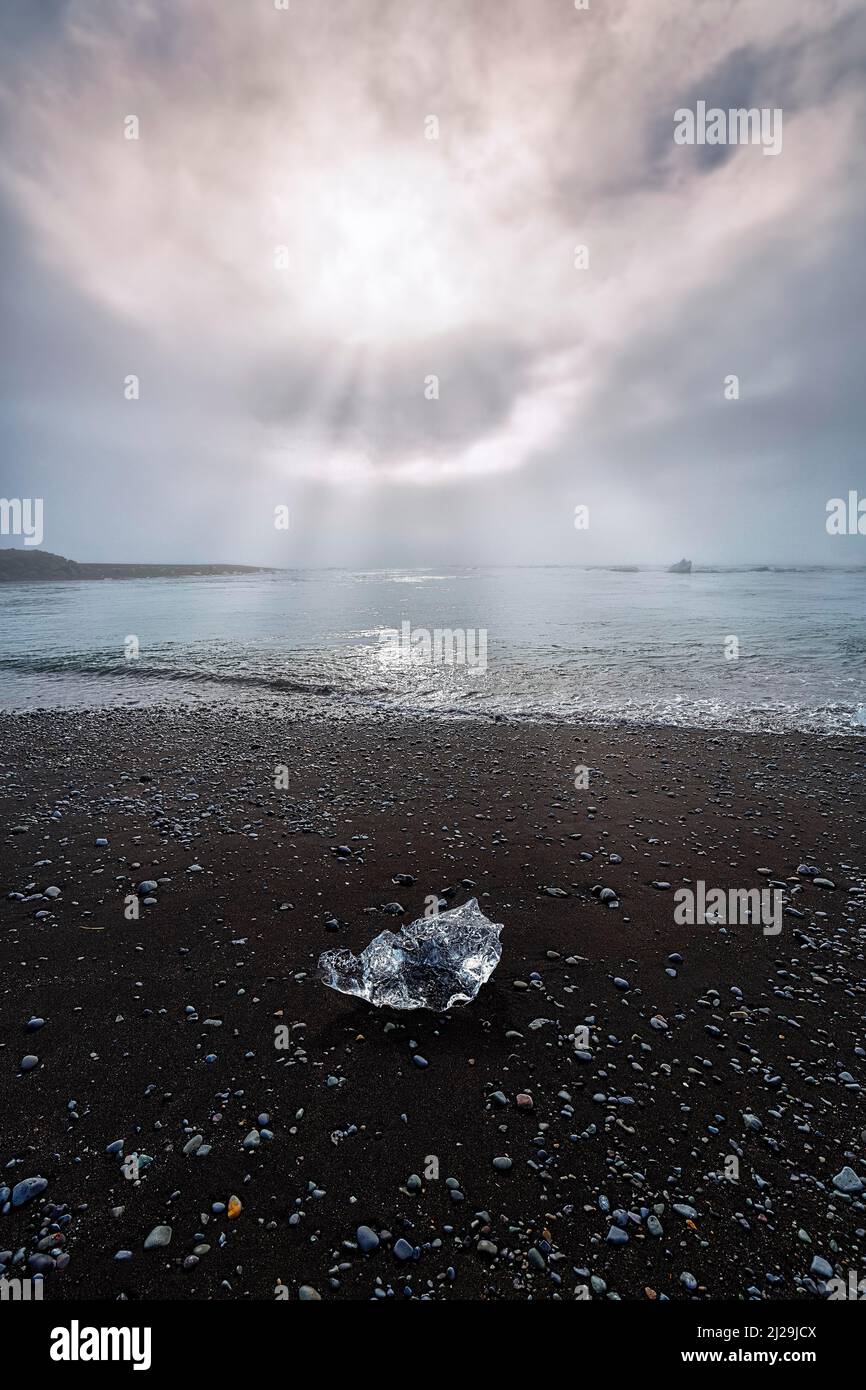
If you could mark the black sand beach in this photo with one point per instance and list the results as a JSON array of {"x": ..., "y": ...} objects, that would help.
[{"x": 750, "y": 1048}]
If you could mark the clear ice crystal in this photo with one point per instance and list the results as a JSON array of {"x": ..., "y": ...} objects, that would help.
[{"x": 431, "y": 963}]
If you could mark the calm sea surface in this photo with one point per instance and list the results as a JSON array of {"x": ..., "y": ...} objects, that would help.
[{"x": 561, "y": 643}]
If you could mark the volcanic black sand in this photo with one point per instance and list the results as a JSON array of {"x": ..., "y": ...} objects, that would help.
[{"x": 738, "y": 1104}]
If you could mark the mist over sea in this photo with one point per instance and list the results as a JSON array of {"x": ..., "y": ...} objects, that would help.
[{"x": 562, "y": 643}]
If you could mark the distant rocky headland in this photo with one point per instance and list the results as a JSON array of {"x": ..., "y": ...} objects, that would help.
[{"x": 18, "y": 565}]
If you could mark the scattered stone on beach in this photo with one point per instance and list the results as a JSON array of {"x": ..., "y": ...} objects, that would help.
[
  {"x": 160, "y": 1236},
  {"x": 590, "y": 1124},
  {"x": 847, "y": 1181},
  {"x": 27, "y": 1189},
  {"x": 367, "y": 1239}
]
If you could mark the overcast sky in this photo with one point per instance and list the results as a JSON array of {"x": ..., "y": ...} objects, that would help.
[{"x": 409, "y": 257}]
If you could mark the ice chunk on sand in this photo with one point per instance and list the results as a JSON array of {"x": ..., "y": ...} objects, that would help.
[{"x": 431, "y": 963}]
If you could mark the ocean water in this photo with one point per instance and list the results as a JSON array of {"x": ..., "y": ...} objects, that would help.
[{"x": 562, "y": 643}]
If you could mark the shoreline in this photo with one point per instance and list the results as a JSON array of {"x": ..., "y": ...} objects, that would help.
[
  {"x": 277, "y": 705},
  {"x": 651, "y": 1116}
]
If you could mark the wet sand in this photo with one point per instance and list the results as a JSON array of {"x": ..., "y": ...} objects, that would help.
[{"x": 647, "y": 1120}]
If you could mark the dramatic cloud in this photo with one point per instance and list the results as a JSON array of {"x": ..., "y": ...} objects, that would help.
[{"x": 341, "y": 257}]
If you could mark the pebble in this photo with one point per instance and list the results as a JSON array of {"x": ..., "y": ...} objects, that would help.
[
  {"x": 367, "y": 1239},
  {"x": 26, "y": 1190},
  {"x": 847, "y": 1181},
  {"x": 160, "y": 1236}
]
